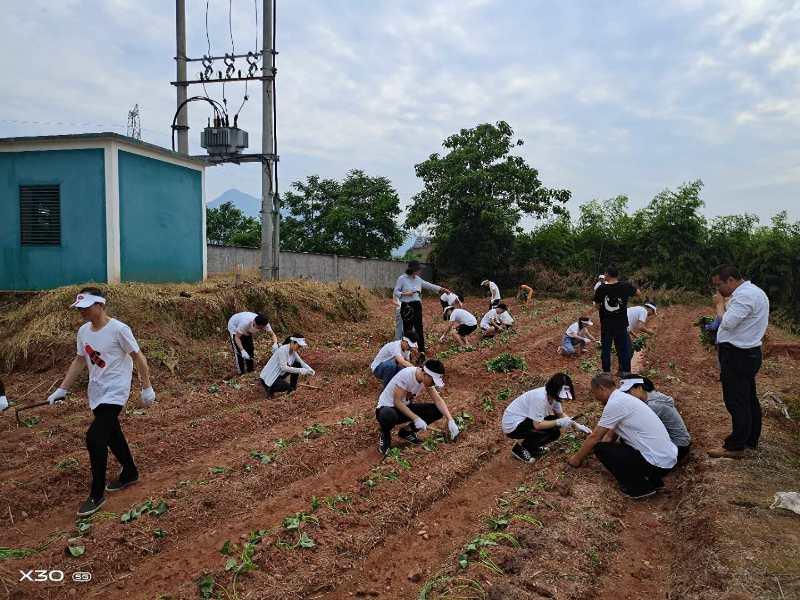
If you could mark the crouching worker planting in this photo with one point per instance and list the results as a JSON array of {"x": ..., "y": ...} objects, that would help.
[
  {"x": 397, "y": 404},
  {"x": 394, "y": 357},
  {"x": 285, "y": 366}
]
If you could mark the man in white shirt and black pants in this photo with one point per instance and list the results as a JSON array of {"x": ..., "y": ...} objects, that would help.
[
  {"x": 242, "y": 327},
  {"x": 739, "y": 337}
]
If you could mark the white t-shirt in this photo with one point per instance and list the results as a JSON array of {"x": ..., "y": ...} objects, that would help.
[
  {"x": 388, "y": 351},
  {"x": 450, "y": 298},
  {"x": 463, "y": 317},
  {"x": 637, "y": 316},
  {"x": 108, "y": 355},
  {"x": 533, "y": 404},
  {"x": 494, "y": 290},
  {"x": 746, "y": 317},
  {"x": 491, "y": 316},
  {"x": 281, "y": 362},
  {"x": 641, "y": 429},
  {"x": 574, "y": 331},
  {"x": 242, "y": 323},
  {"x": 599, "y": 283},
  {"x": 406, "y": 380}
]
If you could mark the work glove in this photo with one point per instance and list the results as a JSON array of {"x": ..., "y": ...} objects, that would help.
[
  {"x": 275, "y": 346},
  {"x": 453, "y": 428},
  {"x": 309, "y": 371},
  {"x": 3, "y": 403},
  {"x": 245, "y": 355},
  {"x": 57, "y": 396},
  {"x": 564, "y": 422},
  {"x": 420, "y": 424},
  {"x": 147, "y": 396},
  {"x": 582, "y": 428}
]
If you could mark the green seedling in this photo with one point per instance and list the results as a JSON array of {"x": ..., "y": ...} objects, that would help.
[
  {"x": 464, "y": 420},
  {"x": 394, "y": 454},
  {"x": 218, "y": 470},
  {"x": 315, "y": 504},
  {"x": 477, "y": 550},
  {"x": 639, "y": 343},
  {"x": 67, "y": 464},
  {"x": 314, "y": 431},
  {"x": 83, "y": 526},
  {"x": 262, "y": 457},
  {"x": 505, "y": 363},
  {"x": 334, "y": 503},
  {"x": 146, "y": 508},
  {"x": 281, "y": 443},
  {"x": 503, "y": 395},
  {"x": 75, "y": 551},
  {"x": 213, "y": 388},
  {"x": 348, "y": 421},
  {"x": 234, "y": 384},
  {"x": 432, "y": 442},
  {"x": 205, "y": 585},
  {"x": 391, "y": 476},
  {"x": 159, "y": 534},
  {"x": 31, "y": 421},
  {"x": 295, "y": 521},
  {"x": 487, "y": 404}
]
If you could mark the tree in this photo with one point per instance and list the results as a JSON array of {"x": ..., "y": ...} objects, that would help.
[
  {"x": 474, "y": 197},
  {"x": 227, "y": 225},
  {"x": 353, "y": 218}
]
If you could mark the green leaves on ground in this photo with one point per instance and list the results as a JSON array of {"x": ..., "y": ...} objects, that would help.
[
  {"x": 75, "y": 551},
  {"x": 477, "y": 550},
  {"x": 396, "y": 455},
  {"x": 262, "y": 457},
  {"x": 505, "y": 363},
  {"x": 67, "y": 464},
  {"x": 314, "y": 431},
  {"x": 148, "y": 508},
  {"x": 347, "y": 421},
  {"x": 205, "y": 585}
]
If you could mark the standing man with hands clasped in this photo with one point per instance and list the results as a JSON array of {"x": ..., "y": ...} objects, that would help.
[
  {"x": 611, "y": 299},
  {"x": 741, "y": 331},
  {"x": 107, "y": 347}
]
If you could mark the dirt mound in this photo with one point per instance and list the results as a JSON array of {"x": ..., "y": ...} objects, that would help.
[{"x": 40, "y": 332}]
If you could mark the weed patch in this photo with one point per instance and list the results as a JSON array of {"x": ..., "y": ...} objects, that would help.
[{"x": 505, "y": 363}]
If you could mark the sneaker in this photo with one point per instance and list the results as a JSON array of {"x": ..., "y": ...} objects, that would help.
[
  {"x": 120, "y": 484},
  {"x": 521, "y": 453},
  {"x": 90, "y": 506},
  {"x": 409, "y": 436},
  {"x": 384, "y": 443},
  {"x": 725, "y": 453},
  {"x": 637, "y": 494}
]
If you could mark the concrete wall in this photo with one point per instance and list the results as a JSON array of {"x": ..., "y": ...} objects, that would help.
[{"x": 370, "y": 272}]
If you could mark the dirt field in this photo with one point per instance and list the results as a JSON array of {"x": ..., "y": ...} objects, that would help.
[{"x": 291, "y": 496}]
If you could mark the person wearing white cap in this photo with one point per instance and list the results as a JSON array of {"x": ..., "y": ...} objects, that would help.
[
  {"x": 107, "y": 347},
  {"x": 464, "y": 322},
  {"x": 496, "y": 320},
  {"x": 637, "y": 317},
  {"x": 242, "y": 327},
  {"x": 494, "y": 292},
  {"x": 645, "y": 452},
  {"x": 3, "y": 399},
  {"x": 397, "y": 404},
  {"x": 601, "y": 279},
  {"x": 285, "y": 366},
  {"x": 393, "y": 357},
  {"x": 537, "y": 418},
  {"x": 576, "y": 337}
]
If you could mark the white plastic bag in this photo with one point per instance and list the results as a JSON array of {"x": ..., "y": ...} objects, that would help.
[{"x": 788, "y": 500}]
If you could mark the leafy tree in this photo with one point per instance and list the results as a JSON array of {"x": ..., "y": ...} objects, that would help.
[
  {"x": 353, "y": 218},
  {"x": 474, "y": 197},
  {"x": 227, "y": 225}
]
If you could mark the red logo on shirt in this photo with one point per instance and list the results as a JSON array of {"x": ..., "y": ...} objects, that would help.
[{"x": 94, "y": 356}]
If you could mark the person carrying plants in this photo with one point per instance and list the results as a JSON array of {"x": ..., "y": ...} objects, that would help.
[
  {"x": 644, "y": 452},
  {"x": 496, "y": 320},
  {"x": 611, "y": 299},
  {"x": 739, "y": 337},
  {"x": 537, "y": 418},
  {"x": 464, "y": 322},
  {"x": 408, "y": 290},
  {"x": 285, "y": 366},
  {"x": 576, "y": 337},
  {"x": 393, "y": 357},
  {"x": 642, "y": 388},
  {"x": 107, "y": 347},
  {"x": 494, "y": 292},
  {"x": 242, "y": 327},
  {"x": 397, "y": 404}
]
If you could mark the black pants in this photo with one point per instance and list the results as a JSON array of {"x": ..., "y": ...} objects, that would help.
[
  {"x": 616, "y": 333},
  {"x": 632, "y": 471},
  {"x": 286, "y": 382},
  {"x": 242, "y": 365},
  {"x": 388, "y": 416},
  {"x": 104, "y": 433},
  {"x": 411, "y": 313},
  {"x": 738, "y": 368},
  {"x": 533, "y": 439},
  {"x": 683, "y": 452}
]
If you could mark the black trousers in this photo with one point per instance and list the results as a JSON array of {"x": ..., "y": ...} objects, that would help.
[
  {"x": 629, "y": 467},
  {"x": 411, "y": 313},
  {"x": 242, "y": 365},
  {"x": 737, "y": 372},
  {"x": 388, "y": 416},
  {"x": 533, "y": 439},
  {"x": 285, "y": 382},
  {"x": 104, "y": 433},
  {"x": 616, "y": 333}
]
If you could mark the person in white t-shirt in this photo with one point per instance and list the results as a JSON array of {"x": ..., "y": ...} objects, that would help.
[
  {"x": 3, "y": 399},
  {"x": 637, "y": 317},
  {"x": 494, "y": 292},
  {"x": 601, "y": 279},
  {"x": 645, "y": 452},
  {"x": 397, "y": 404},
  {"x": 463, "y": 321},
  {"x": 241, "y": 329},
  {"x": 284, "y": 367},
  {"x": 393, "y": 357},
  {"x": 576, "y": 337},
  {"x": 496, "y": 320},
  {"x": 107, "y": 347},
  {"x": 537, "y": 418},
  {"x": 451, "y": 299}
]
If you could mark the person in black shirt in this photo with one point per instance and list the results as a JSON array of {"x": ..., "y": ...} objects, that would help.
[{"x": 611, "y": 299}]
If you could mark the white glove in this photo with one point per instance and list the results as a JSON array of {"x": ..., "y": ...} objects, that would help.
[
  {"x": 309, "y": 371},
  {"x": 453, "y": 428},
  {"x": 148, "y": 396},
  {"x": 3, "y": 403},
  {"x": 565, "y": 422},
  {"x": 275, "y": 346},
  {"x": 582, "y": 428},
  {"x": 57, "y": 396},
  {"x": 420, "y": 424},
  {"x": 245, "y": 355}
]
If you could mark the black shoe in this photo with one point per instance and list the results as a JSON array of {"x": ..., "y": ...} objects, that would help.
[
  {"x": 384, "y": 443},
  {"x": 521, "y": 453},
  {"x": 409, "y": 436},
  {"x": 120, "y": 484},
  {"x": 90, "y": 507},
  {"x": 637, "y": 494}
]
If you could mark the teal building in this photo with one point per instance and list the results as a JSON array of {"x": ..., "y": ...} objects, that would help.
[{"x": 98, "y": 207}]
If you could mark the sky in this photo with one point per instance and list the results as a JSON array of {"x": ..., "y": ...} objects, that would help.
[{"x": 610, "y": 98}]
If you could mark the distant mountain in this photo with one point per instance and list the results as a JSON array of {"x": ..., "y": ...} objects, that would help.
[{"x": 249, "y": 205}]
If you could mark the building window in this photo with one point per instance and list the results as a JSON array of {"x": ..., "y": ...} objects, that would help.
[{"x": 40, "y": 215}]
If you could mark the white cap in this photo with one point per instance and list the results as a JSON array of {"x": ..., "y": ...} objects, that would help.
[
  {"x": 410, "y": 343},
  {"x": 601, "y": 276},
  {"x": 565, "y": 393},
  {"x": 299, "y": 341},
  {"x": 627, "y": 384},
  {"x": 651, "y": 305},
  {"x": 438, "y": 380},
  {"x": 588, "y": 323},
  {"x": 86, "y": 300},
  {"x": 485, "y": 282}
]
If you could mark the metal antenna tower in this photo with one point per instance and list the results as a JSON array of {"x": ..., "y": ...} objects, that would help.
[{"x": 134, "y": 129}]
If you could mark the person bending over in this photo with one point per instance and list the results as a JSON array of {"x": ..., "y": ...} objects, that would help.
[
  {"x": 463, "y": 321},
  {"x": 494, "y": 292},
  {"x": 242, "y": 327},
  {"x": 496, "y": 320},
  {"x": 285, "y": 366},
  {"x": 393, "y": 357},
  {"x": 525, "y": 294},
  {"x": 451, "y": 299},
  {"x": 576, "y": 337}
]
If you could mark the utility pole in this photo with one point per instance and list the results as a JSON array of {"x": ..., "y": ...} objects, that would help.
[
  {"x": 270, "y": 243},
  {"x": 180, "y": 60}
]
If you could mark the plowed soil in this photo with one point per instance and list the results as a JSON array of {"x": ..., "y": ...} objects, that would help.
[{"x": 402, "y": 527}]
